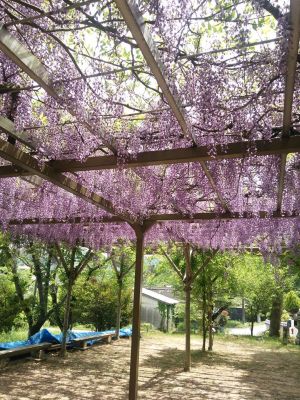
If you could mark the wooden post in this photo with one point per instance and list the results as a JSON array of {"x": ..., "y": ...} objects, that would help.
[
  {"x": 136, "y": 320},
  {"x": 66, "y": 318},
  {"x": 187, "y": 363},
  {"x": 209, "y": 317},
  {"x": 119, "y": 306},
  {"x": 188, "y": 277}
]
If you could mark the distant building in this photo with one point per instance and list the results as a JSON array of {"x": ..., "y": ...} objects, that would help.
[{"x": 158, "y": 309}]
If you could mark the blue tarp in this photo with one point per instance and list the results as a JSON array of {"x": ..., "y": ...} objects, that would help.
[{"x": 45, "y": 336}]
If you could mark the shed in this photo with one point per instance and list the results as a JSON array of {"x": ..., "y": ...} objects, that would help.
[{"x": 158, "y": 309}]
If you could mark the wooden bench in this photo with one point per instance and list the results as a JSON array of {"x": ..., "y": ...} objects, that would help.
[
  {"x": 82, "y": 342},
  {"x": 34, "y": 350}
]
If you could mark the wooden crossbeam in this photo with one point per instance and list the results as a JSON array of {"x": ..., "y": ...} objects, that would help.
[
  {"x": 174, "y": 156},
  {"x": 30, "y": 64},
  {"x": 7, "y": 126},
  {"x": 281, "y": 181},
  {"x": 67, "y": 220},
  {"x": 214, "y": 186},
  {"x": 26, "y": 61},
  {"x": 143, "y": 37},
  {"x": 223, "y": 216},
  {"x": 289, "y": 88},
  {"x": 197, "y": 217},
  {"x": 26, "y": 162},
  {"x": 292, "y": 57}
]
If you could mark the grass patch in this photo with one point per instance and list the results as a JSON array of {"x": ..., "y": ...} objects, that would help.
[
  {"x": 260, "y": 341},
  {"x": 231, "y": 323},
  {"x": 21, "y": 334},
  {"x": 14, "y": 335},
  {"x": 254, "y": 341}
]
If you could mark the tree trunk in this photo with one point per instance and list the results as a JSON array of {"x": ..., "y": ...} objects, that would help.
[
  {"x": 252, "y": 326},
  {"x": 209, "y": 320},
  {"x": 276, "y": 311},
  {"x": 168, "y": 318},
  {"x": 204, "y": 330},
  {"x": 243, "y": 311},
  {"x": 56, "y": 308},
  {"x": 187, "y": 364},
  {"x": 119, "y": 306},
  {"x": 66, "y": 318}
]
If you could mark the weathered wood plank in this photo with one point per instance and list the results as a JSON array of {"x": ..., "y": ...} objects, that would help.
[
  {"x": 174, "y": 156},
  {"x": 143, "y": 37},
  {"x": 26, "y": 162},
  {"x": 289, "y": 88},
  {"x": 206, "y": 216},
  {"x": 28, "y": 62},
  {"x": 18, "y": 351},
  {"x": 7, "y": 126}
]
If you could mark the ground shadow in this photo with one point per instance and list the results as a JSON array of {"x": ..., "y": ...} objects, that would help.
[{"x": 260, "y": 374}]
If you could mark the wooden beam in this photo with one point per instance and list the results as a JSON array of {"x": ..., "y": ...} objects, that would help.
[
  {"x": 198, "y": 217},
  {"x": 281, "y": 181},
  {"x": 143, "y": 36},
  {"x": 67, "y": 220},
  {"x": 7, "y": 126},
  {"x": 292, "y": 57},
  {"x": 211, "y": 180},
  {"x": 174, "y": 156},
  {"x": 30, "y": 64},
  {"x": 26, "y": 162},
  {"x": 185, "y": 155},
  {"x": 222, "y": 216}
]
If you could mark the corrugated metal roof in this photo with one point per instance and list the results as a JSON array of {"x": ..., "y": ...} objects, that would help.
[{"x": 158, "y": 296}]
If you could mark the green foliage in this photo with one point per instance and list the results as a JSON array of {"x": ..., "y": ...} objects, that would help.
[
  {"x": 9, "y": 305},
  {"x": 214, "y": 284},
  {"x": 291, "y": 302},
  {"x": 180, "y": 311},
  {"x": 253, "y": 280},
  {"x": 231, "y": 323},
  {"x": 14, "y": 335},
  {"x": 95, "y": 302},
  {"x": 285, "y": 316},
  {"x": 158, "y": 272},
  {"x": 147, "y": 327}
]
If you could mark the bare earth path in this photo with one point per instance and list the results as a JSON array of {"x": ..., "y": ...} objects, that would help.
[{"x": 233, "y": 371}]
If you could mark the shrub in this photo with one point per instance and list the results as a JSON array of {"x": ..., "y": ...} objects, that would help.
[
  {"x": 95, "y": 302},
  {"x": 291, "y": 302},
  {"x": 285, "y": 315}
]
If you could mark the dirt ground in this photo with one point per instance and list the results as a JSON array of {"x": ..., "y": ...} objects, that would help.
[{"x": 233, "y": 371}]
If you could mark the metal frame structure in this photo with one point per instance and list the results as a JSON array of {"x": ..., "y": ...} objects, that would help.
[{"x": 23, "y": 164}]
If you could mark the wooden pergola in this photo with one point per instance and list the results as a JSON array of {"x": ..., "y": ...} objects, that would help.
[{"x": 29, "y": 168}]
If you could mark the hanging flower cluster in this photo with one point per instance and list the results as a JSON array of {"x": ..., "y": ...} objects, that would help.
[{"x": 224, "y": 62}]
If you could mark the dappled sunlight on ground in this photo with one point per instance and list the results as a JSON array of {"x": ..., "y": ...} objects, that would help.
[{"x": 233, "y": 371}]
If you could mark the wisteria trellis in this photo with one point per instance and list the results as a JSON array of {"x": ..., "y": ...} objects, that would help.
[
  {"x": 230, "y": 85},
  {"x": 124, "y": 78}
]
